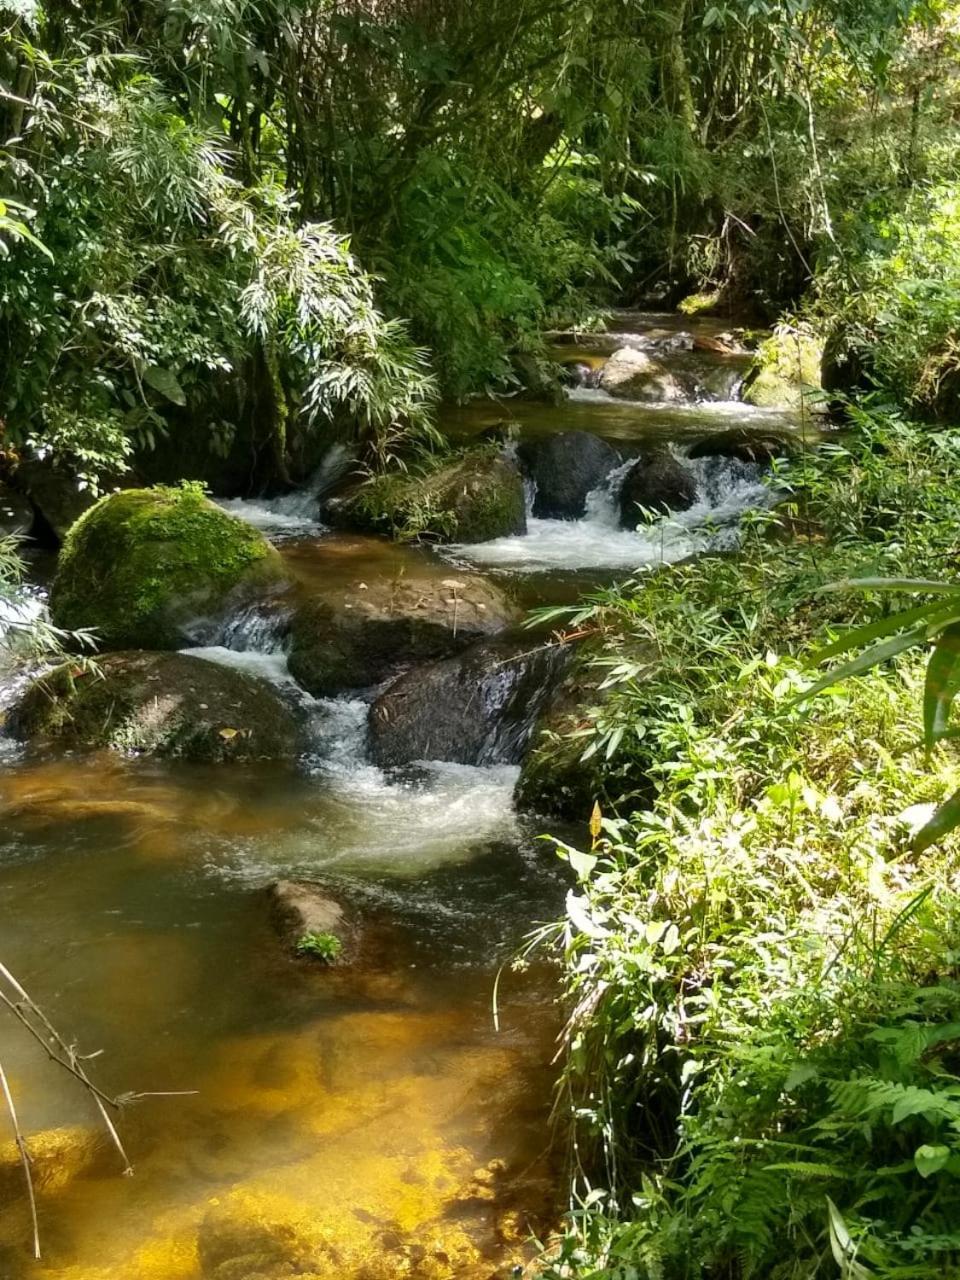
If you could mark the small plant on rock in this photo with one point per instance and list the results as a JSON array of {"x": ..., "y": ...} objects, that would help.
[{"x": 321, "y": 946}]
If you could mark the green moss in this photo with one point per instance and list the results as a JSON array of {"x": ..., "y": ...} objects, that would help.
[
  {"x": 698, "y": 304},
  {"x": 474, "y": 497},
  {"x": 785, "y": 369},
  {"x": 168, "y": 704},
  {"x": 138, "y": 565}
]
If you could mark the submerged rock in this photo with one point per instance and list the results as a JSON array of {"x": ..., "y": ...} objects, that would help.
[
  {"x": 356, "y": 639},
  {"x": 658, "y": 482},
  {"x": 16, "y": 513},
  {"x": 477, "y": 708},
  {"x": 744, "y": 445},
  {"x": 300, "y": 909},
  {"x": 232, "y": 1246},
  {"x": 565, "y": 468},
  {"x": 144, "y": 563},
  {"x": 167, "y": 704},
  {"x": 57, "y": 1158},
  {"x": 632, "y": 374},
  {"x": 473, "y": 498}
]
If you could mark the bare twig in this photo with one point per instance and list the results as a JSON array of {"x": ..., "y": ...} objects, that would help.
[{"x": 24, "y": 1158}]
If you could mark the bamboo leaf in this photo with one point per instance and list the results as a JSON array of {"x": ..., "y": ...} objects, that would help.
[
  {"x": 946, "y": 818},
  {"x": 930, "y": 613},
  {"x": 869, "y": 658},
  {"x": 941, "y": 685},
  {"x": 893, "y": 584}
]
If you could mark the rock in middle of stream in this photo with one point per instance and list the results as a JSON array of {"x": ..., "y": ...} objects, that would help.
[{"x": 478, "y": 708}]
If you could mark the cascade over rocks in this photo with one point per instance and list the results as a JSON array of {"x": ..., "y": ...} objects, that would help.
[
  {"x": 658, "y": 482},
  {"x": 357, "y": 637},
  {"x": 165, "y": 704},
  {"x": 477, "y": 708},
  {"x": 143, "y": 564},
  {"x": 474, "y": 498},
  {"x": 565, "y": 468}
]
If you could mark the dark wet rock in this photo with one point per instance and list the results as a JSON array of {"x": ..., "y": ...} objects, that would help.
[
  {"x": 357, "y": 638},
  {"x": 745, "y": 445},
  {"x": 708, "y": 375},
  {"x": 143, "y": 564},
  {"x": 565, "y": 468},
  {"x": 55, "y": 494},
  {"x": 658, "y": 482},
  {"x": 165, "y": 704},
  {"x": 16, "y": 513},
  {"x": 555, "y": 781},
  {"x": 477, "y": 708},
  {"x": 537, "y": 378},
  {"x": 472, "y": 498},
  {"x": 300, "y": 908},
  {"x": 632, "y": 374}
]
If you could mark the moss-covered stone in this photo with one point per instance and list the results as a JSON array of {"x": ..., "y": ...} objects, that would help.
[
  {"x": 143, "y": 563},
  {"x": 785, "y": 370},
  {"x": 353, "y": 639},
  {"x": 474, "y": 497},
  {"x": 167, "y": 704},
  {"x": 57, "y": 1158}
]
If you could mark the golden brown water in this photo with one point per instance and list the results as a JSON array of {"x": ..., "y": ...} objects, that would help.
[{"x": 367, "y": 1123}]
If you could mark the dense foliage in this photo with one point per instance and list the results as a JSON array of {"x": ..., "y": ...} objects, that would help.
[{"x": 761, "y": 968}]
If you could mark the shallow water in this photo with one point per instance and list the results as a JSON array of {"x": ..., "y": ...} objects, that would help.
[{"x": 354, "y": 1107}]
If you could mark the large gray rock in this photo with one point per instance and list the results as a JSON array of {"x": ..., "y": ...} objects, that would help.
[
  {"x": 477, "y": 708},
  {"x": 657, "y": 482},
  {"x": 165, "y": 704},
  {"x": 565, "y": 468},
  {"x": 630, "y": 374},
  {"x": 356, "y": 638}
]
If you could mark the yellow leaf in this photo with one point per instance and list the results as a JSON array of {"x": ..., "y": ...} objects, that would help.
[
  {"x": 595, "y": 820},
  {"x": 228, "y": 734}
]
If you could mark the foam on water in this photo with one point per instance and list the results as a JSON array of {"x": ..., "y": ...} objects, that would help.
[{"x": 292, "y": 514}]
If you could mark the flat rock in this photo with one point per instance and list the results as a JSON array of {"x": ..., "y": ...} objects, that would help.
[{"x": 355, "y": 638}]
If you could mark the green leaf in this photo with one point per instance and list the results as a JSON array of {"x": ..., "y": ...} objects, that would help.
[
  {"x": 869, "y": 658},
  {"x": 933, "y": 614},
  {"x": 894, "y": 584},
  {"x": 930, "y": 1160},
  {"x": 165, "y": 382},
  {"x": 946, "y": 818},
  {"x": 582, "y": 863},
  {"x": 941, "y": 685}
]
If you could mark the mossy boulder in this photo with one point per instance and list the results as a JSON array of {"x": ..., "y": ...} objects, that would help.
[
  {"x": 786, "y": 370},
  {"x": 143, "y": 564},
  {"x": 166, "y": 704},
  {"x": 57, "y": 1158},
  {"x": 474, "y": 497},
  {"x": 354, "y": 638}
]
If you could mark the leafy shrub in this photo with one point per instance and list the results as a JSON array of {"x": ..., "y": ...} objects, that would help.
[{"x": 320, "y": 946}]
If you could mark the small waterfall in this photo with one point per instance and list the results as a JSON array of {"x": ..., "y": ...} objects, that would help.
[{"x": 297, "y": 513}]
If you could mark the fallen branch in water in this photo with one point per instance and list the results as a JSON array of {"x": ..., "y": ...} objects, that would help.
[{"x": 30, "y": 1016}]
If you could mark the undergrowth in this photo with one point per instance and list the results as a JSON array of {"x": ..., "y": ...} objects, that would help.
[{"x": 763, "y": 1046}]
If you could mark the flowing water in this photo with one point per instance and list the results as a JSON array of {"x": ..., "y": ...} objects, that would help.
[{"x": 370, "y": 1121}]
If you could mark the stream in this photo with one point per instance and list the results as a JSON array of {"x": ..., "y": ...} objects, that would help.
[{"x": 375, "y": 1116}]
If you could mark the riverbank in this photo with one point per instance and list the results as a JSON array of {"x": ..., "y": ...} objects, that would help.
[{"x": 761, "y": 968}]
